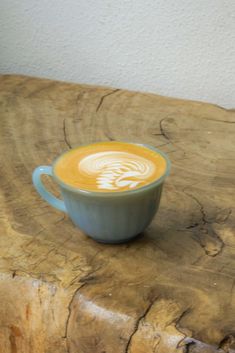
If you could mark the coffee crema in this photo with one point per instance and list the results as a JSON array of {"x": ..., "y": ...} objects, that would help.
[{"x": 110, "y": 167}]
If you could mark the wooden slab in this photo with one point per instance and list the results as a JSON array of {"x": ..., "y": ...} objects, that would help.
[{"x": 171, "y": 290}]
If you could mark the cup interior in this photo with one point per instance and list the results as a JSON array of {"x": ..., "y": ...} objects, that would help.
[{"x": 148, "y": 186}]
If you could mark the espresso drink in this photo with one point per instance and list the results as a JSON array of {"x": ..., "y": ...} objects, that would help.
[{"x": 110, "y": 167}]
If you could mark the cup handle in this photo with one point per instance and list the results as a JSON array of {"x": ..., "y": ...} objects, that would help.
[{"x": 46, "y": 195}]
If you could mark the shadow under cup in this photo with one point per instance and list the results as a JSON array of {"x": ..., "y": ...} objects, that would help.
[{"x": 108, "y": 217}]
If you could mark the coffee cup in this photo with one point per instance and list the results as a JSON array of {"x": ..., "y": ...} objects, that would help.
[{"x": 110, "y": 190}]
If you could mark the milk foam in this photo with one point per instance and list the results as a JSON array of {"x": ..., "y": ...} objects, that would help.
[{"x": 113, "y": 170}]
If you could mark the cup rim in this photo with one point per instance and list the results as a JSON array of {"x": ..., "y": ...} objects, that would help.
[{"x": 110, "y": 193}]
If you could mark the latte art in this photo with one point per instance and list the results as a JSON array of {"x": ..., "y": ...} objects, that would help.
[
  {"x": 116, "y": 169},
  {"x": 110, "y": 167}
]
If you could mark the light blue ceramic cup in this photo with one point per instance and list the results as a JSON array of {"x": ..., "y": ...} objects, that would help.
[{"x": 108, "y": 217}]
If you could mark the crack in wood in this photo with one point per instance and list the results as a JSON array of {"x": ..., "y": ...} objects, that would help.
[
  {"x": 201, "y": 207},
  {"x": 226, "y": 343},
  {"x": 165, "y": 135},
  {"x": 65, "y": 135},
  {"x": 39, "y": 262},
  {"x": 176, "y": 322},
  {"x": 223, "y": 218},
  {"x": 194, "y": 225},
  {"x": 206, "y": 235},
  {"x": 212, "y": 235},
  {"x": 142, "y": 317},
  {"x": 78, "y": 98},
  {"x": 69, "y": 315},
  {"x": 61, "y": 219},
  {"x": 107, "y": 132},
  {"x": 188, "y": 346},
  {"x": 85, "y": 281},
  {"x": 103, "y": 98},
  {"x": 162, "y": 129},
  {"x": 90, "y": 277},
  {"x": 109, "y": 137},
  {"x": 184, "y": 313}
]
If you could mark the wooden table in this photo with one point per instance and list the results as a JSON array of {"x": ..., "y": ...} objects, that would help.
[{"x": 171, "y": 290}]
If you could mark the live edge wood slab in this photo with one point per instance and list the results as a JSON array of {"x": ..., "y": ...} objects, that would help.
[{"x": 170, "y": 290}]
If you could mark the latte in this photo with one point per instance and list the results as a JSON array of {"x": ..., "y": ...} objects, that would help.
[{"x": 110, "y": 167}]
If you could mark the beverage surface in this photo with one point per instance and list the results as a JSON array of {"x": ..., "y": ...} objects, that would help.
[{"x": 110, "y": 167}]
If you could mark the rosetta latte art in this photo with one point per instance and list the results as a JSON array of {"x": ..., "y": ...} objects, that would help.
[{"x": 115, "y": 170}]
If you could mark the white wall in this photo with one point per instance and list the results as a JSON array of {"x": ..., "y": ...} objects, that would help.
[{"x": 182, "y": 48}]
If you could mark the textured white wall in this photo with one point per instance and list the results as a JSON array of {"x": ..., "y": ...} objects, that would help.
[{"x": 182, "y": 48}]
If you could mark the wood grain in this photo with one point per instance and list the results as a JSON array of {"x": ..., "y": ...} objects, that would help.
[{"x": 171, "y": 290}]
